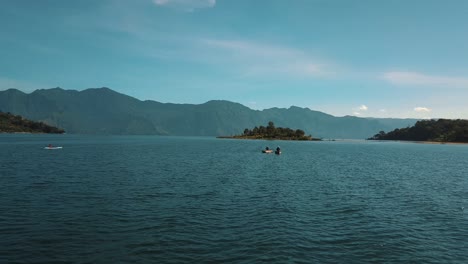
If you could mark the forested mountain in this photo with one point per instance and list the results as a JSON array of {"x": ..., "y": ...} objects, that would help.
[
  {"x": 441, "y": 130},
  {"x": 104, "y": 111},
  {"x": 10, "y": 123}
]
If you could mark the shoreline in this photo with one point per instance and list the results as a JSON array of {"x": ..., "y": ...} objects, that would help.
[
  {"x": 255, "y": 138},
  {"x": 2, "y": 132},
  {"x": 423, "y": 142},
  {"x": 440, "y": 143}
]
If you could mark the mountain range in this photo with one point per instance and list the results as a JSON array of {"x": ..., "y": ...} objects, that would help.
[{"x": 104, "y": 111}]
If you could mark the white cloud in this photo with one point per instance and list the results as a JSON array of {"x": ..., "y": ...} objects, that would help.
[
  {"x": 357, "y": 111},
  {"x": 260, "y": 58},
  {"x": 252, "y": 48},
  {"x": 422, "y": 109},
  {"x": 363, "y": 108},
  {"x": 188, "y": 5},
  {"x": 420, "y": 79},
  {"x": 382, "y": 110}
]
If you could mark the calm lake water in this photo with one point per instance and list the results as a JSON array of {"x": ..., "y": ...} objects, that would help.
[{"x": 143, "y": 199}]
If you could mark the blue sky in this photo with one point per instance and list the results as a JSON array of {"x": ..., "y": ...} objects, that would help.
[{"x": 366, "y": 58}]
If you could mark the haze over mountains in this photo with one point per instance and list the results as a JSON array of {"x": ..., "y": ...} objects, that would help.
[{"x": 104, "y": 111}]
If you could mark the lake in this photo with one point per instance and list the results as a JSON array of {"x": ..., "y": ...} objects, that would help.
[{"x": 150, "y": 199}]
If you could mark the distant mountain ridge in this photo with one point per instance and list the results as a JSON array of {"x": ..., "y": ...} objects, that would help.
[{"x": 104, "y": 111}]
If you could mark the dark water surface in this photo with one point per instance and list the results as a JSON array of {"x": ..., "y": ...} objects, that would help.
[{"x": 205, "y": 200}]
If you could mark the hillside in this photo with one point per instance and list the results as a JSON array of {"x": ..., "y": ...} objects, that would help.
[
  {"x": 10, "y": 123},
  {"x": 442, "y": 130},
  {"x": 104, "y": 111}
]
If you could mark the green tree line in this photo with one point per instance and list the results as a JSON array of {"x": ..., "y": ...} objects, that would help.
[
  {"x": 10, "y": 123},
  {"x": 441, "y": 130},
  {"x": 272, "y": 132}
]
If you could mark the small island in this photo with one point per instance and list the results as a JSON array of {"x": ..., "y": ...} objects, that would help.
[
  {"x": 441, "y": 130},
  {"x": 273, "y": 133},
  {"x": 10, "y": 123}
]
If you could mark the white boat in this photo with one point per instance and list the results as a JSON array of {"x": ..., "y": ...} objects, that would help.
[{"x": 53, "y": 147}]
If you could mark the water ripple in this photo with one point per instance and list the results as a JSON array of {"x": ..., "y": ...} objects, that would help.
[{"x": 200, "y": 200}]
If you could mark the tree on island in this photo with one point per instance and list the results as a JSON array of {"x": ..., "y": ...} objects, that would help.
[
  {"x": 10, "y": 123},
  {"x": 272, "y": 132},
  {"x": 441, "y": 130}
]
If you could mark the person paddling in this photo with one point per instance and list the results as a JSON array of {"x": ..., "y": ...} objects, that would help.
[
  {"x": 278, "y": 150},
  {"x": 267, "y": 150}
]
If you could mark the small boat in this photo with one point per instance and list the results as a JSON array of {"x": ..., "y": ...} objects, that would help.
[
  {"x": 267, "y": 151},
  {"x": 49, "y": 147}
]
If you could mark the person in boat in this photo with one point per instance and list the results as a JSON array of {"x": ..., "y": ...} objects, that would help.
[
  {"x": 278, "y": 150},
  {"x": 50, "y": 145},
  {"x": 267, "y": 148}
]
